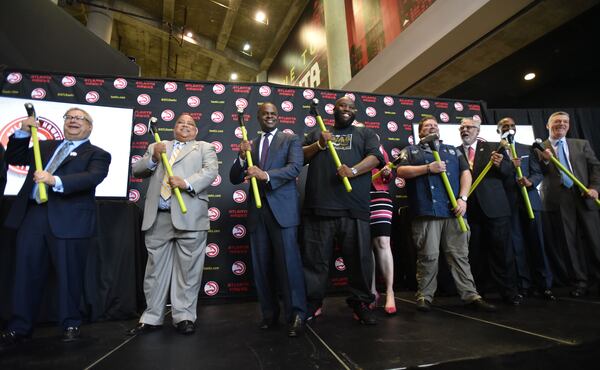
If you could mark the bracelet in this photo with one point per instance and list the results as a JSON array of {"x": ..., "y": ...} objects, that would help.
[
  {"x": 319, "y": 145},
  {"x": 428, "y": 170}
]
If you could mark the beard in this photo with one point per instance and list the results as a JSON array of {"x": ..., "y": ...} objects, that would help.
[{"x": 340, "y": 121}]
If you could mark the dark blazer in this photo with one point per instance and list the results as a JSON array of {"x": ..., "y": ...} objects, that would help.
[
  {"x": 586, "y": 169},
  {"x": 283, "y": 165},
  {"x": 2, "y": 173},
  {"x": 530, "y": 166},
  {"x": 489, "y": 194},
  {"x": 73, "y": 212}
]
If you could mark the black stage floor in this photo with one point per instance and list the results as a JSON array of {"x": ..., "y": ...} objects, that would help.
[{"x": 537, "y": 335}]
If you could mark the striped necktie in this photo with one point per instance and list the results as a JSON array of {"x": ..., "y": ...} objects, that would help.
[
  {"x": 58, "y": 158},
  {"x": 165, "y": 188}
]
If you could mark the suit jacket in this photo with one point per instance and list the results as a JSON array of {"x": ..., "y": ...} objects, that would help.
[
  {"x": 197, "y": 163},
  {"x": 72, "y": 213},
  {"x": 585, "y": 167},
  {"x": 530, "y": 166},
  {"x": 283, "y": 165},
  {"x": 489, "y": 194}
]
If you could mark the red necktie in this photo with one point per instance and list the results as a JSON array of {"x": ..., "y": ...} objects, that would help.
[{"x": 471, "y": 154}]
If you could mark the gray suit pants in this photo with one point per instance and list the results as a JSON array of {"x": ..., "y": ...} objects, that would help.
[{"x": 175, "y": 259}]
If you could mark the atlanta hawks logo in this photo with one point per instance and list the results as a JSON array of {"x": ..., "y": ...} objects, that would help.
[{"x": 47, "y": 130}]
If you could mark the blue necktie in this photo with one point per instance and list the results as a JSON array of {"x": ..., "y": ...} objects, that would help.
[
  {"x": 60, "y": 156},
  {"x": 562, "y": 158}
]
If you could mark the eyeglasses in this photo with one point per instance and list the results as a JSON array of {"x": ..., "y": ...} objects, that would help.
[{"x": 76, "y": 118}]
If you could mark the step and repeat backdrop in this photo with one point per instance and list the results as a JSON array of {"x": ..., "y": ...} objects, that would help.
[{"x": 123, "y": 106}]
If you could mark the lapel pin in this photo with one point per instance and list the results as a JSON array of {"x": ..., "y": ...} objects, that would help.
[{"x": 73, "y": 154}]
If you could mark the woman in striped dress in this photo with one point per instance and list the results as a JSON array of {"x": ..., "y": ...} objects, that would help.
[{"x": 381, "y": 229}]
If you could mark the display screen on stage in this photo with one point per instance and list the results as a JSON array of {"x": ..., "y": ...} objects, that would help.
[{"x": 111, "y": 131}]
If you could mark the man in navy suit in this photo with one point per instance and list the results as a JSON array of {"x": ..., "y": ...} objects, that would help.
[
  {"x": 58, "y": 230},
  {"x": 527, "y": 235},
  {"x": 273, "y": 227}
]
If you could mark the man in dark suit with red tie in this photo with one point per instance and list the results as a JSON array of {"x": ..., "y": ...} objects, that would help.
[
  {"x": 55, "y": 232},
  {"x": 490, "y": 249},
  {"x": 573, "y": 215},
  {"x": 273, "y": 227}
]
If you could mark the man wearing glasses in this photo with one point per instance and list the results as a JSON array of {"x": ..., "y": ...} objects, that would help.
[{"x": 57, "y": 230}]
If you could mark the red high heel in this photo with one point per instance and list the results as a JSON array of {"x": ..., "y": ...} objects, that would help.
[{"x": 390, "y": 310}]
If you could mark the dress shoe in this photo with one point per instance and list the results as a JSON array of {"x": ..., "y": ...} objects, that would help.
[
  {"x": 266, "y": 324},
  {"x": 515, "y": 300},
  {"x": 142, "y": 328},
  {"x": 71, "y": 334},
  {"x": 579, "y": 292},
  {"x": 10, "y": 338},
  {"x": 423, "y": 305},
  {"x": 295, "y": 326},
  {"x": 548, "y": 295},
  {"x": 480, "y": 305},
  {"x": 524, "y": 292},
  {"x": 363, "y": 314},
  {"x": 186, "y": 327}
]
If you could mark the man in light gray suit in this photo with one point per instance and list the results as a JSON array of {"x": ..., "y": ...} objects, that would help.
[
  {"x": 175, "y": 241},
  {"x": 573, "y": 215}
]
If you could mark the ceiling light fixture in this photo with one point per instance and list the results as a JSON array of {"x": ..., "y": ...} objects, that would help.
[
  {"x": 261, "y": 17},
  {"x": 233, "y": 76},
  {"x": 246, "y": 46},
  {"x": 189, "y": 34},
  {"x": 529, "y": 76}
]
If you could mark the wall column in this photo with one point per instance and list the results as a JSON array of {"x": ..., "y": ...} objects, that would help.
[{"x": 338, "y": 55}]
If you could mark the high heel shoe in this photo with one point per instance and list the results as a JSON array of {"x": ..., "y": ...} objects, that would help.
[{"x": 390, "y": 310}]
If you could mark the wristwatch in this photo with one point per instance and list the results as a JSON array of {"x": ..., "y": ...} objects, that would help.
[
  {"x": 463, "y": 197},
  {"x": 354, "y": 171}
]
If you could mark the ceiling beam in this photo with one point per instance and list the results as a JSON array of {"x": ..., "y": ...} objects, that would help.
[
  {"x": 167, "y": 18},
  {"x": 199, "y": 44},
  {"x": 224, "y": 34},
  {"x": 295, "y": 11}
]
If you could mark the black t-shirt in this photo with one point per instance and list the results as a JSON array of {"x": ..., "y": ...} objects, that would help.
[{"x": 325, "y": 194}]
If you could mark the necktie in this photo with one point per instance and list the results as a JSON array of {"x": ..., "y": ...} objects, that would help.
[
  {"x": 165, "y": 188},
  {"x": 471, "y": 154},
  {"x": 58, "y": 158},
  {"x": 264, "y": 153},
  {"x": 562, "y": 158}
]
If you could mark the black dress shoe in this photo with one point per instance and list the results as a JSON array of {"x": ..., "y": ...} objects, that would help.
[
  {"x": 579, "y": 292},
  {"x": 480, "y": 305},
  {"x": 186, "y": 327},
  {"x": 515, "y": 300},
  {"x": 363, "y": 314},
  {"x": 142, "y": 328},
  {"x": 10, "y": 338},
  {"x": 548, "y": 295},
  {"x": 71, "y": 334},
  {"x": 266, "y": 324},
  {"x": 423, "y": 305},
  {"x": 295, "y": 326}
]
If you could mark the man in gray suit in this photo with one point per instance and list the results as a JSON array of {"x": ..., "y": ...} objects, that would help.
[
  {"x": 175, "y": 241},
  {"x": 572, "y": 214}
]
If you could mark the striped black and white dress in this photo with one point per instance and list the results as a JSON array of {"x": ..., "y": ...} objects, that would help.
[{"x": 381, "y": 213}]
